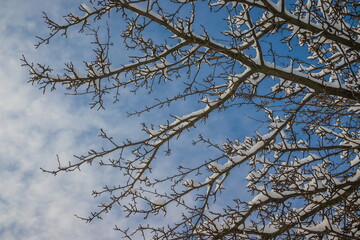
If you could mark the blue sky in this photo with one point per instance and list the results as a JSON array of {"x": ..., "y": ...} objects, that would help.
[{"x": 36, "y": 127}]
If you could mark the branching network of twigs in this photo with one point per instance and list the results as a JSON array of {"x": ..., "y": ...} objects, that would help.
[{"x": 297, "y": 61}]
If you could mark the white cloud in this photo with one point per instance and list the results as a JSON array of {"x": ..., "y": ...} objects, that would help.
[{"x": 35, "y": 127}]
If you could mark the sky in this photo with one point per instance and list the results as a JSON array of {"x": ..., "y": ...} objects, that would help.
[{"x": 35, "y": 127}]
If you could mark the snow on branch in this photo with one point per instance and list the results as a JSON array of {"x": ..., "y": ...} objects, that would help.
[{"x": 292, "y": 69}]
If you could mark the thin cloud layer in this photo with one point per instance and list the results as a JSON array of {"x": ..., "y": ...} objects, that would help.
[{"x": 35, "y": 127}]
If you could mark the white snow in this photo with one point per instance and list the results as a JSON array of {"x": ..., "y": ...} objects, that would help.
[
  {"x": 78, "y": 74},
  {"x": 86, "y": 8},
  {"x": 35, "y": 70},
  {"x": 278, "y": 5},
  {"x": 323, "y": 226},
  {"x": 355, "y": 108},
  {"x": 138, "y": 166},
  {"x": 158, "y": 201},
  {"x": 192, "y": 183},
  {"x": 216, "y": 167},
  {"x": 219, "y": 185},
  {"x": 356, "y": 177},
  {"x": 269, "y": 229},
  {"x": 274, "y": 195},
  {"x": 355, "y": 161},
  {"x": 306, "y": 160},
  {"x": 260, "y": 198}
]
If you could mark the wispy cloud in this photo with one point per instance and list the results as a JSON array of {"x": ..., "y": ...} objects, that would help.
[{"x": 35, "y": 127}]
